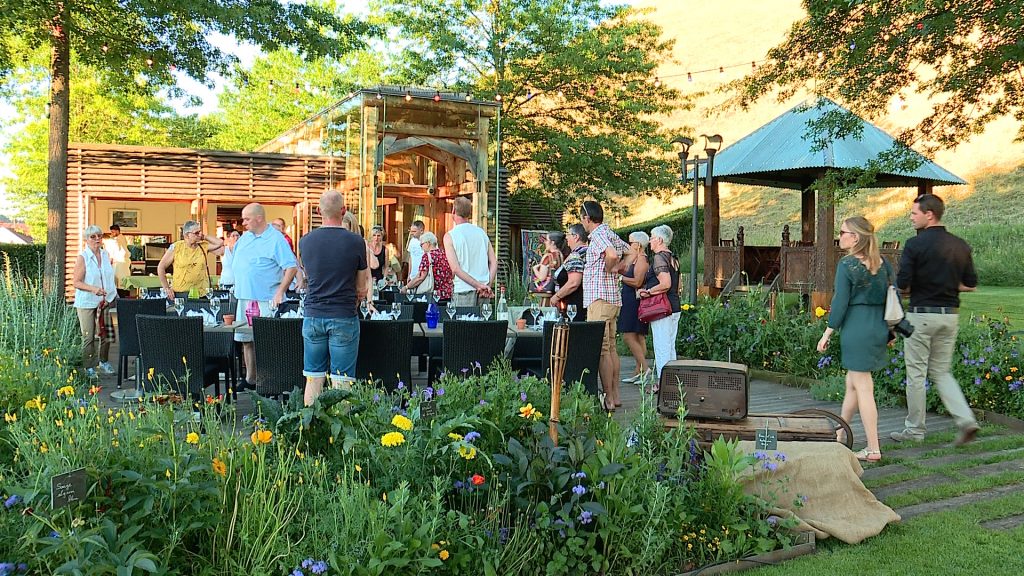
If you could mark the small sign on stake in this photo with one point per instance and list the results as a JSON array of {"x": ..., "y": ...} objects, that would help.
[
  {"x": 767, "y": 439},
  {"x": 428, "y": 409},
  {"x": 68, "y": 488}
]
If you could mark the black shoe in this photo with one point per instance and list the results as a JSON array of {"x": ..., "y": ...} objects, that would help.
[{"x": 244, "y": 385}]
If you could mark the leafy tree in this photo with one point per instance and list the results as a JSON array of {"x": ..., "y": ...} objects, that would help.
[
  {"x": 142, "y": 43},
  {"x": 98, "y": 114},
  {"x": 282, "y": 88},
  {"x": 965, "y": 55},
  {"x": 576, "y": 81}
]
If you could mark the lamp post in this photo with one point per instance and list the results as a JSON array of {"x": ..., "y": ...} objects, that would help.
[{"x": 712, "y": 144}]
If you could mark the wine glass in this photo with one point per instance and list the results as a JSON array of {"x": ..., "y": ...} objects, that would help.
[
  {"x": 571, "y": 312},
  {"x": 179, "y": 305},
  {"x": 452, "y": 311},
  {"x": 302, "y": 302},
  {"x": 535, "y": 311},
  {"x": 436, "y": 296},
  {"x": 485, "y": 310},
  {"x": 364, "y": 309},
  {"x": 214, "y": 306},
  {"x": 410, "y": 295},
  {"x": 396, "y": 310},
  {"x": 273, "y": 309}
]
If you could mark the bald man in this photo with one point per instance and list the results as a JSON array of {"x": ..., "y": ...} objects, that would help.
[
  {"x": 334, "y": 260},
  {"x": 264, "y": 267}
]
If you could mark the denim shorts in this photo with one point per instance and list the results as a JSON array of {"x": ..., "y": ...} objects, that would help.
[{"x": 329, "y": 346}]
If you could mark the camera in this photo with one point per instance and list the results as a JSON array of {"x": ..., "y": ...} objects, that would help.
[{"x": 903, "y": 328}]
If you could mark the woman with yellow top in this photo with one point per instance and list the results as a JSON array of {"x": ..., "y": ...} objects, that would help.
[{"x": 188, "y": 257}]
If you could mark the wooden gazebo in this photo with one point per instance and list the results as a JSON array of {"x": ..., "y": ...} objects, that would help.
[{"x": 782, "y": 154}]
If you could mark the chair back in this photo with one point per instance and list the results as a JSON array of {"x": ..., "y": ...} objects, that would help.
[
  {"x": 466, "y": 342},
  {"x": 385, "y": 351},
  {"x": 278, "y": 347},
  {"x": 584, "y": 353},
  {"x": 172, "y": 348},
  {"x": 127, "y": 332}
]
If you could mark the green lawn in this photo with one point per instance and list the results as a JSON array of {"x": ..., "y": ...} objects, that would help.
[{"x": 995, "y": 301}]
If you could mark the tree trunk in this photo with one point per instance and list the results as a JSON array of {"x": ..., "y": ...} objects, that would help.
[{"x": 57, "y": 158}]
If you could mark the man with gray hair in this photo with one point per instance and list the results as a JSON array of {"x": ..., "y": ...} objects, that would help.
[
  {"x": 336, "y": 275},
  {"x": 189, "y": 258},
  {"x": 264, "y": 266},
  {"x": 470, "y": 256}
]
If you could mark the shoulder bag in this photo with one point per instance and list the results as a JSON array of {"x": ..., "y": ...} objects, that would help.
[
  {"x": 893, "y": 306},
  {"x": 654, "y": 308},
  {"x": 428, "y": 283}
]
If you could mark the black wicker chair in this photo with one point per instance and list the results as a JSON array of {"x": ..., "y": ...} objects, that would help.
[
  {"x": 221, "y": 358},
  {"x": 468, "y": 342},
  {"x": 128, "y": 333},
  {"x": 278, "y": 348},
  {"x": 584, "y": 354},
  {"x": 172, "y": 348},
  {"x": 385, "y": 351}
]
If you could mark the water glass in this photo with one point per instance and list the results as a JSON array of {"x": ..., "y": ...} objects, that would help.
[
  {"x": 571, "y": 312},
  {"x": 485, "y": 310},
  {"x": 364, "y": 309},
  {"x": 214, "y": 306},
  {"x": 451, "y": 311},
  {"x": 179, "y": 305},
  {"x": 396, "y": 310},
  {"x": 535, "y": 311},
  {"x": 273, "y": 309}
]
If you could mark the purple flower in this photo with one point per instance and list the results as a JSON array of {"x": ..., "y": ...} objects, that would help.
[
  {"x": 297, "y": 572},
  {"x": 307, "y": 563},
  {"x": 319, "y": 568},
  {"x": 483, "y": 402},
  {"x": 458, "y": 485},
  {"x": 988, "y": 348},
  {"x": 771, "y": 466},
  {"x": 465, "y": 370},
  {"x": 1015, "y": 385},
  {"x": 440, "y": 391},
  {"x": 977, "y": 381},
  {"x": 995, "y": 369},
  {"x": 6, "y": 568},
  {"x": 773, "y": 520},
  {"x": 471, "y": 436},
  {"x": 428, "y": 393},
  {"x": 376, "y": 397},
  {"x": 586, "y": 517},
  {"x": 401, "y": 385},
  {"x": 12, "y": 501},
  {"x": 522, "y": 396},
  {"x": 442, "y": 375},
  {"x": 691, "y": 337},
  {"x": 579, "y": 490},
  {"x": 779, "y": 456},
  {"x": 580, "y": 475},
  {"x": 803, "y": 499},
  {"x": 476, "y": 365},
  {"x": 761, "y": 455}
]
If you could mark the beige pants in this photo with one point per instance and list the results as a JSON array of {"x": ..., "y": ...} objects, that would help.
[
  {"x": 602, "y": 311},
  {"x": 929, "y": 354},
  {"x": 87, "y": 321}
]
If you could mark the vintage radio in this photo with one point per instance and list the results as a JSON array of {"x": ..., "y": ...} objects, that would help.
[{"x": 716, "y": 390}]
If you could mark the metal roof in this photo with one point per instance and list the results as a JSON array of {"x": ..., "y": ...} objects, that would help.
[{"x": 782, "y": 154}]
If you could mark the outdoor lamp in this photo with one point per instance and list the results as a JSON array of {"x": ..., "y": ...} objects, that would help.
[{"x": 712, "y": 144}]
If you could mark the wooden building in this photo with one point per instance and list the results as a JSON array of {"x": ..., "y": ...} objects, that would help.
[{"x": 784, "y": 154}]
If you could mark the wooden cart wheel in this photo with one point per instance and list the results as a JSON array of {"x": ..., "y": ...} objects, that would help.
[{"x": 840, "y": 423}]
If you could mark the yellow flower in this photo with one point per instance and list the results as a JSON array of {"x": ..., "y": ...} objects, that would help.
[
  {"x": 686, "y": 307},
  {"x": 219, "y": 467},
  {"x": 392, "y": 439},
  {"x": 60, "y": 423},
  {"x": 36, "y": 403},
  {"x": 454, "y": 436},
  {"x": 65, "y": 391},
  {"x": 149, "y": 374},
  {"x": 529, "y": 411},
  {"x": 819, "y": 312},
  {"x": 401, "y": 422},
  {"x": 192, "y": 438},
  {"x": 467, "y": 452},
  {"x": 10, "y": 417},
  {"x": 168, "y": 473},
  {"x": 359, "y": 468},
  {"x": 43, "y": 448},
  {"x": 443, "y": 555},
  {"x": 261, "y": 437}
]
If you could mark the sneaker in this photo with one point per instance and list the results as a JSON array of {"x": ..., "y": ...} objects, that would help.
[
  {"x": 105, "y": 368},
  {"x": 91, "y": 373},
  {"x": 967, "y": 435},
  {"x": 906, "y": 436}
]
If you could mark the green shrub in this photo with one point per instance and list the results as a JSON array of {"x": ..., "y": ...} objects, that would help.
[{"x": 27, "y": 260}]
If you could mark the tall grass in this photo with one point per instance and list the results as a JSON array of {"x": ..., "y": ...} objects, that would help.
[{"x": 31, "y": 321}]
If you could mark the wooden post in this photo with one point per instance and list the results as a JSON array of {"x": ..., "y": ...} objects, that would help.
[
  {"x": 712, "y": 230},
  {"x": 559, "y": 350}
]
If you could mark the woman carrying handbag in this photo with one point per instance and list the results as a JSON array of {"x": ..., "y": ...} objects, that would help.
[{"x": 659, "y": 300}]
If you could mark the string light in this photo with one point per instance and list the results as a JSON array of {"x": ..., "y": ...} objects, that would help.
[
  {"x": 657, "y": 83},
  {"x": 296, "y": 89},
  {"x": 149, "y": 62},
  {"x": 408, "y": 96},
  {"x": 437, "y": 95}
]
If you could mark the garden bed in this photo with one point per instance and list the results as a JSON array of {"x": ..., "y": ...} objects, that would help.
[{"x": 803, "y": 545}]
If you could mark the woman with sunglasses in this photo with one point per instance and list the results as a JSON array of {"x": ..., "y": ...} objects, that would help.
[
  {"x": 95, "y": 291},
  {"x": 857, "y": 312}
]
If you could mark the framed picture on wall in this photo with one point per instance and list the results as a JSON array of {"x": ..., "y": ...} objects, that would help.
[{"x": 126, "y": 219}]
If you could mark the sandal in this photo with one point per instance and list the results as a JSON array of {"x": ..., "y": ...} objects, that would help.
[{"x": 866, "y": 455}]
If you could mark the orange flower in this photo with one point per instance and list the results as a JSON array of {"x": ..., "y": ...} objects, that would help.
[
  {"x": 478, "y": 479},
  {"x": 261, "y": 437},
  {"x": 219, "y": 467}
]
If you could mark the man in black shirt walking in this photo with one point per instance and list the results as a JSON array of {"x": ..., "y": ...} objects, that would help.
[{"x": 936, "y": 266}]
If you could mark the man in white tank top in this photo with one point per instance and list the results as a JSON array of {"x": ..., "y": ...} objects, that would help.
[{"x": 470, "y": 256}]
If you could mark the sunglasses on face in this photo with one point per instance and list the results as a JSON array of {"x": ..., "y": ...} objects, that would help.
[
  {"x": 585, "y": 213},
  {"x": 95, "y": 236}
]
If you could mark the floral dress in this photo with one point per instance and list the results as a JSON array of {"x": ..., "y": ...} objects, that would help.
[{"x": 443, "y": 276}]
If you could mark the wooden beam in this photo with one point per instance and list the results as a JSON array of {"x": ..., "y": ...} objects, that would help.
[
  {"x": 443, "y": 108},
  {"x": 412, "y": 129},
  {"x": 712, "y": 228},
  {"x": 807, "y": 215}
]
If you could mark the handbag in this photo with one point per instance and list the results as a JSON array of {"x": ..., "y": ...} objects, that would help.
[
  {"x": 893, "y": 306},
  {"x": 654, "y": 308},
  {"x": 428, "y": 283}
]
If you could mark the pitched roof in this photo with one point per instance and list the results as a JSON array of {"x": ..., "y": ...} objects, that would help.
[{"x": 782, "y": 153}]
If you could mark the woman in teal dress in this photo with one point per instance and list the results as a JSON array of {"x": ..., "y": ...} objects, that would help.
[{"x": 857, "y": 312}]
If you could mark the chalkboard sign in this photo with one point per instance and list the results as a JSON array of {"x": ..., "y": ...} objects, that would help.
[
  {"x": 67, "y": 488},
  {"x": 428, "y": 410},
  {"x": 766, "y": 438}
]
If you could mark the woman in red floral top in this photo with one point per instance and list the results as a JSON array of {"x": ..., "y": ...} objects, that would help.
[{"x": 434, "y": 257}]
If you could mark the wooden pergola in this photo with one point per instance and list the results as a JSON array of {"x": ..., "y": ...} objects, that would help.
[{"x": 782, "y": 154}]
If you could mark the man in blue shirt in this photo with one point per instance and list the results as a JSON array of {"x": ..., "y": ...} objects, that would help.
[
  {"x": 264, "y": 267},
  {"x": 334, "y": 265}
]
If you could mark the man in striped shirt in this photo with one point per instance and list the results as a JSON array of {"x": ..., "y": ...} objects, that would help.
[{"x": 601, "y": 296}]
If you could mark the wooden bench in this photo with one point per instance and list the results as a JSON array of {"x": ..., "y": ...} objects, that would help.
[{"x": 801, "y": 426}]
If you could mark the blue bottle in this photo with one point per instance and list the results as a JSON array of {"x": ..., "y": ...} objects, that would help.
[{"x": 432, "y": 315}]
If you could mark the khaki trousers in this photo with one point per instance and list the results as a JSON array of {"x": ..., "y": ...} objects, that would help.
[
  {"x": 87, "y": 322},
  {"x": 929, "y": 354}
]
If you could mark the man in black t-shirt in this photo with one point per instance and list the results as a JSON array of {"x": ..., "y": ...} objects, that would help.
[
  {"x": 935, "y": 266},
  {"x": 334, "y": 264}
]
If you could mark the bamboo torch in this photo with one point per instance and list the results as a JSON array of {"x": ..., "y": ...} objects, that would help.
[{"x": 559, "y": 351}]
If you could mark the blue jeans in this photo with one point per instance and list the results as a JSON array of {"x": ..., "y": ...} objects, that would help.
[{"x": 333, "y": 338}]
